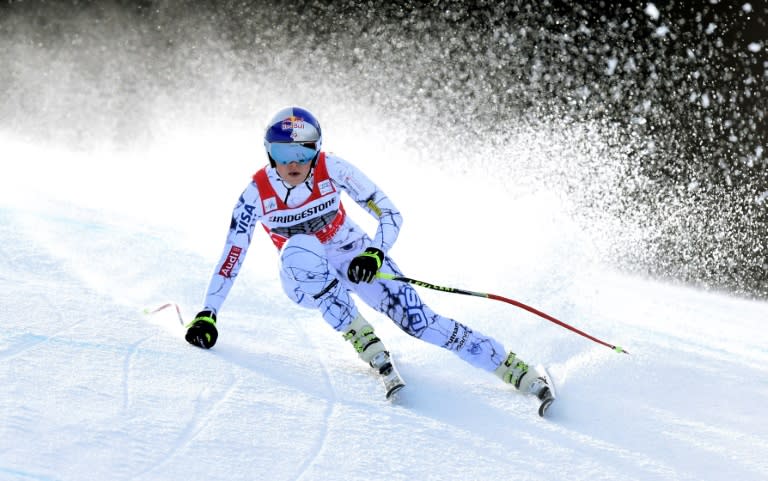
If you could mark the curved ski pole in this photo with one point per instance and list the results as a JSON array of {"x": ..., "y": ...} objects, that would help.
[{"x": 453, "y": 290}]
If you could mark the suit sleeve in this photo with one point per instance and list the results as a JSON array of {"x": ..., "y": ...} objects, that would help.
[
  {"x": 245, "y": 215},
  {"x": 370, "y": 197}
]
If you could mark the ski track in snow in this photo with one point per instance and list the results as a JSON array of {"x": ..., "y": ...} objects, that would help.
[
  {"x": 92, "y": 389},
  {"x": 127, "y": 366},
  {"x": 328, "y": 414},
  {"x": 201, "y": 417}
]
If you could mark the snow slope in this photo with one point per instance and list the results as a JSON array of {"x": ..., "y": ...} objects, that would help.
[{"x": 94, "y": 389}]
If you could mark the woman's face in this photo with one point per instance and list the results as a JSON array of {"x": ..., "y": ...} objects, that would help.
[{"x": 294, "y": 173}]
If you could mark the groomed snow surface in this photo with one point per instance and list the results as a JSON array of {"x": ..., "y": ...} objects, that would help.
[{"x": 94, "y": 389}]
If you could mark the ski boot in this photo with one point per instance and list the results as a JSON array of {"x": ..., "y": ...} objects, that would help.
[
  {"x": 530, "y": 381},
  {"x": 371, "y": 350}
]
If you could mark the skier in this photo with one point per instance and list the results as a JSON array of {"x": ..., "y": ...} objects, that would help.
[{"x": 324, "y": 255}]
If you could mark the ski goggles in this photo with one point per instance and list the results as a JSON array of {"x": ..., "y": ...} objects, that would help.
[{"x": 286, "y": 152}]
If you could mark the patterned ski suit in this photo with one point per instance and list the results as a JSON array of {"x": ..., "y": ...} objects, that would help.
[{"x": 317, "y": 241}]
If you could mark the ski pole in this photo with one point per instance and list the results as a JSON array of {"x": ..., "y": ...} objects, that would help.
[
  {"x": 495, "y": 297},
  {"x": 160, "y": 308}
]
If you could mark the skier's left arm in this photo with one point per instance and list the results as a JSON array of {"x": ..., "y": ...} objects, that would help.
[{"x": 371, "y": 198}]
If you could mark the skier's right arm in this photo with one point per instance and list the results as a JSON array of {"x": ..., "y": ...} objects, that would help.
[
  {"x": 245, "y": 215},
  {"x": 247, "y": 212}
]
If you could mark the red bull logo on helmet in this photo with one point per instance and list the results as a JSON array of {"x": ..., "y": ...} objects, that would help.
[{"x": 292, "y": 122}]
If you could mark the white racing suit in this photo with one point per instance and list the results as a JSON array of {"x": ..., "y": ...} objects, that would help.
[{"x": 317, "y": 241}]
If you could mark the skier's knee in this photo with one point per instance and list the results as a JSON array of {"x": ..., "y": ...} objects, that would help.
[
  {"x": 306, "y": 275},
  {"x": 303, "y": 254},
  {"x": 303, "y": 260}
]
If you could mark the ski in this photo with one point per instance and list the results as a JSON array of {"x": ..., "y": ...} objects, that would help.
[
  {"x": 546, "y": 394},
  {"x": 388, "y": 374},
  {"x": 392, "y": 382}
]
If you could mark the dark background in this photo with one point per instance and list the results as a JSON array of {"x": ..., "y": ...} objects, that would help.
[{"x": 669, "y": 111}]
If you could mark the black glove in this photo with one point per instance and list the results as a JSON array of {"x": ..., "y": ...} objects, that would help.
[
  {"x": 202, "y": 332},
  {"x": 365, "y": 266}
]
